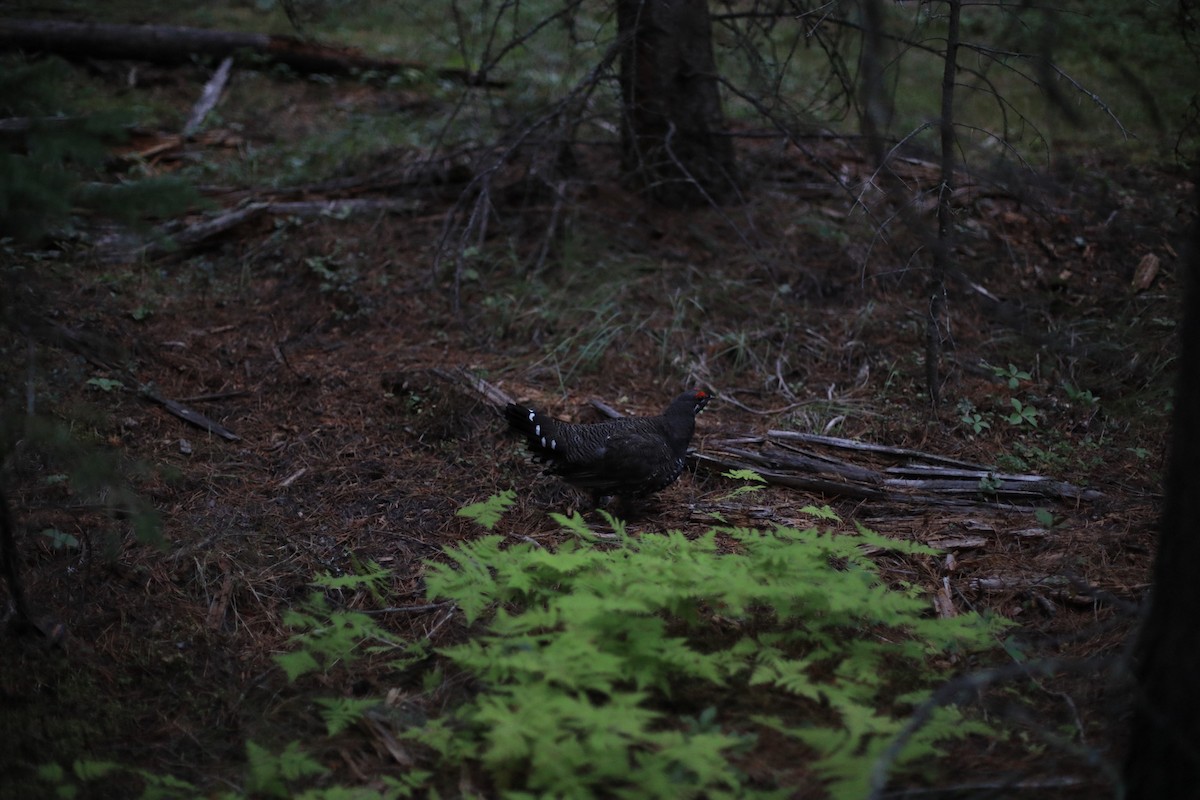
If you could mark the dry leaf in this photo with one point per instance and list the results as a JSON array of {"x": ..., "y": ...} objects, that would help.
[{"x": 1146, "y": 272}]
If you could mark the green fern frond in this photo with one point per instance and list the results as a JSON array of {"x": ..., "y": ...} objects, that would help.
[
  {"x": 488, "y": 512},
  {"x": 342, "y": 712}
]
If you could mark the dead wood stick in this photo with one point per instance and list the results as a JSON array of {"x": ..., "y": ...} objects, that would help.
[
  {"x": 868, "y": 447},
  {"x": 193, "y": 417},
  {"x": 209, "y": 97}
]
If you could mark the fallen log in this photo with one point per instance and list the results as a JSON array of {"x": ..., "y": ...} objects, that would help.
[{"x": 172, "y": 44}]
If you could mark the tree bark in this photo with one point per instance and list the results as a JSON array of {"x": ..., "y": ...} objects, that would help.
[
  {"x": 1164, "y": 751},
  {"x": 671, "y": 132}
]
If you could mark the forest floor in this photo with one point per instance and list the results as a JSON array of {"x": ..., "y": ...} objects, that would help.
[{"x": 330, "y": 346}]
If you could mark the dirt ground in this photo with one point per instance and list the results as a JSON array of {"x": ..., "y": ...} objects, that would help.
[{"x": 331, "y": 348}]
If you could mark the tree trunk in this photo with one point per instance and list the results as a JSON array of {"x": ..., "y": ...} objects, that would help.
[
  {"x": 671, "y": 132},
  {"x": 1164, "y": 750}
]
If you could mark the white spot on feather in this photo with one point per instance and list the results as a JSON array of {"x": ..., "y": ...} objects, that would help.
[
  {"x": 531, "y": 415},
  {"x": 553, "y": 444},
  {"x": 543, "y": 441},
  {"x": 537, "y": 430}
]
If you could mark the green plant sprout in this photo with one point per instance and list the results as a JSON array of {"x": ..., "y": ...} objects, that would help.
[
  {"x": 1022, "y": 414},
  {"x": 1081, "y": 396},
  {"x": 1010, "y": 373},
  {"x": 752, "y": 482},
  {"x": 970, "y": 417}
]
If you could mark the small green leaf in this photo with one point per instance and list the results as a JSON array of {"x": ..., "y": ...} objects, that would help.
[
  {"x": 297, "y": 663},
  {"x": 488, "y": 512},
  {"x": 824, "y": 512},
  {"x": 342, "y": 712},
  {"x": 88, "y": 769},
  {"x": 51, "y": 773}
]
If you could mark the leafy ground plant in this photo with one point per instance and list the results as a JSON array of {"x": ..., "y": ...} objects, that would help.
[{"x": 594, "y": 661}]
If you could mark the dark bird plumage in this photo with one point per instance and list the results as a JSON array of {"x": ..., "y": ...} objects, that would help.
[{"x": 629, "y": 457}]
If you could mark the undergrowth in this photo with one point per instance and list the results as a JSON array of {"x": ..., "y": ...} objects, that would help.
[{"x": 647, "y": 666}]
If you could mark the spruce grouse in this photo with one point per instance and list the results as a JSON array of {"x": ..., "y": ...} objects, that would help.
[{"x": 629, "y": 457}]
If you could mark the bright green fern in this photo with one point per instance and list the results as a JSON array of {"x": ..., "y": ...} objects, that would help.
[{"x": 578, "y": 653}]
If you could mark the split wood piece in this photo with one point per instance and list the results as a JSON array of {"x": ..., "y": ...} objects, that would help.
[
  {"x": 170, "y": 44},
  {"x": 943, "y": 601},
  {"x": 209, "y": 97},
  {"x": 192, "y": 417}
]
